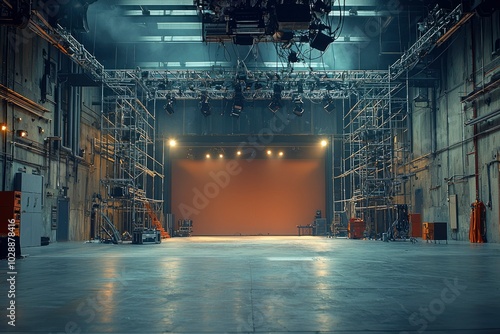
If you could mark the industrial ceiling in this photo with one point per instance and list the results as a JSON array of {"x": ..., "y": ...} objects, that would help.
[{"x": 187, "y": 34}]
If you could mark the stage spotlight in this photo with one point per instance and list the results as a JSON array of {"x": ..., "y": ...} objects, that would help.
[
  {"x": 169, "y": 106},
  {"x": 221, "y": 155},
  {"x": 320, "y": 41},
  {"x": 324, "y": 143},
  {"x": 275, "y": 104},
  {"x": 207, "y": 156},
  {"x": 269, "y": 152},
  {"x": 238, "y": 153},
  {"x": 329, "y": 105},
  {"x": 172, "y": 142},
  {"x": 3, "y": 127},
  {"x": 281, "y": 153},
  {"x": 204, "y": 105},
  {"x": 298, "y": 108},
  {"x": 238, "y": 101}
]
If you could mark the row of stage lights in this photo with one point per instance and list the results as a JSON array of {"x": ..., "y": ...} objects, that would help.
[
  {"x": 238, "y": 103},
  {"x": 221, "y": 155},
  {"x": 173, "y": 143},
  {"x": 269, "y": 153}
]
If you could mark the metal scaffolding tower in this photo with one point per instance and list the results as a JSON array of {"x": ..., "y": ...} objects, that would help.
[
  {"x": 376, "y": 144},
  {"x": 132, "y": 171}
]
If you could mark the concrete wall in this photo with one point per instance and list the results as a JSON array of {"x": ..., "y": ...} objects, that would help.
[
  {"x": 443, "y": 148},
  {"x": 75, "y": 175}
]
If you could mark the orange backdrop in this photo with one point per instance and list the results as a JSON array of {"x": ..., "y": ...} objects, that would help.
[{"x": 239, "y": 197}]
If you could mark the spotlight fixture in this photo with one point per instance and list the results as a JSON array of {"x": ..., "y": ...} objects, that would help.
[
  {"x": 204, "y": 105},
  {"x": 22, "y": 133},
  {"x": 269, "y": 152},
  {"x": 221, "y": 155},
  {"x": 292, "y": 57},
  {"x": 324, "y": 143},
  {"x": 320, "y": 41},
  {"x": 207, "y": 156},
  {"x": 329, "y": 105},
  {"x": 275, "y": 104},
  {"x": 41, "y": 130},
  {"x": 238, "y": 101},
  {"x": 3, "y": 127},
  {"x": 238, "y": 153},
  {"x": 298, "y": 108},
  {"x": 281, "y": 153},
  {"x": 169, "y": 106},
  {"x": 172, "y": 142}
]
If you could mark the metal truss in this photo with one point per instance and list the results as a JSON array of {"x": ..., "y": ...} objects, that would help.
[
  {"x": 436, "y": 27},
  {"x": 67, "y": 44},
  {"x": 221, "y": 84}
]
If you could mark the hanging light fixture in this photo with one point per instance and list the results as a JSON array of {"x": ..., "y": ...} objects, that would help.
[
  {"x": 298, "y": 106},
  {"x": 169, "y": 106},
  {"x": 275, "y": 104},
  {"x": 205, "y": 105},
  {"x": 238, "y": 101}
]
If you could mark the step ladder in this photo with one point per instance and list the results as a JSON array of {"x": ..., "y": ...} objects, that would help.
[{"x": 155, "y": 221}]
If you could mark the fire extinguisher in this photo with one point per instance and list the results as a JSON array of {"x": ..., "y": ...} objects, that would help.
[{"x": 477, "y": 231}]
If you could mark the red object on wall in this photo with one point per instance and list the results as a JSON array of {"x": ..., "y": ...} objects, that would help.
[
  {"x": 415, "y": 225},
  {"x": 356, "y": 228},
  {"x": 10, "y": 208},
  {"x": 240, "y": 197}
]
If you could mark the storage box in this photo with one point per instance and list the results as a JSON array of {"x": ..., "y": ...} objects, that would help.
[{"x": 356, "y": 228}]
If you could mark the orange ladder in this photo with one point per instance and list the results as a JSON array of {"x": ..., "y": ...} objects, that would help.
[{"x": 156, "y": 221}]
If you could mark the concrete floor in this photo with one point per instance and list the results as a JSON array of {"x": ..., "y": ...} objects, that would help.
[{"x": 257, "y": 284}]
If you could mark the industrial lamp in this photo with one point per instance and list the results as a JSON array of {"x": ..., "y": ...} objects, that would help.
[{"x": 22, "y": 133}]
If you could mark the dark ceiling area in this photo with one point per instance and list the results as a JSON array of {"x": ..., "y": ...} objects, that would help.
[
  {"x": 204, "y": 34},
  {"x": 322, "y": 35}
]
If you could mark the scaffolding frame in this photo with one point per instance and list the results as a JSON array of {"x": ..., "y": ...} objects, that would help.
[
  {"x": 375, "y": 146},
  {"x": 130, "y": 169}
]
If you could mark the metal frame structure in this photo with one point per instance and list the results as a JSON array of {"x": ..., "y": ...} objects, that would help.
[
  {"x": 376, "y": 144},
  {"x": 128, "y": 152}
]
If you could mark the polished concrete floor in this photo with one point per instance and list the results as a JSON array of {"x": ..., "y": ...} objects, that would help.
[{"x": 256, "y": 285}]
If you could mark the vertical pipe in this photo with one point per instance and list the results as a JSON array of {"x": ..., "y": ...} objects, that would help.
[
  {"x": 474, "y": 111},
  {"x": 68, "y": 142},
  {"x": 5, "y": 78}
]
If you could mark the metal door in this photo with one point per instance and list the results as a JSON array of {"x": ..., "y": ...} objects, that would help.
[{"x": 62, "y": 219}]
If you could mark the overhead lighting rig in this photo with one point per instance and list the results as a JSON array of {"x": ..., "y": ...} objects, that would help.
[
  {"x": 255, "y": 85},
  {"x": 283, "y": 21}
]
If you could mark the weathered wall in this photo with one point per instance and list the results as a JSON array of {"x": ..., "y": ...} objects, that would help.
[
  {"x": 26, "y": 60},
  {"x": 443, "y": 148}
]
